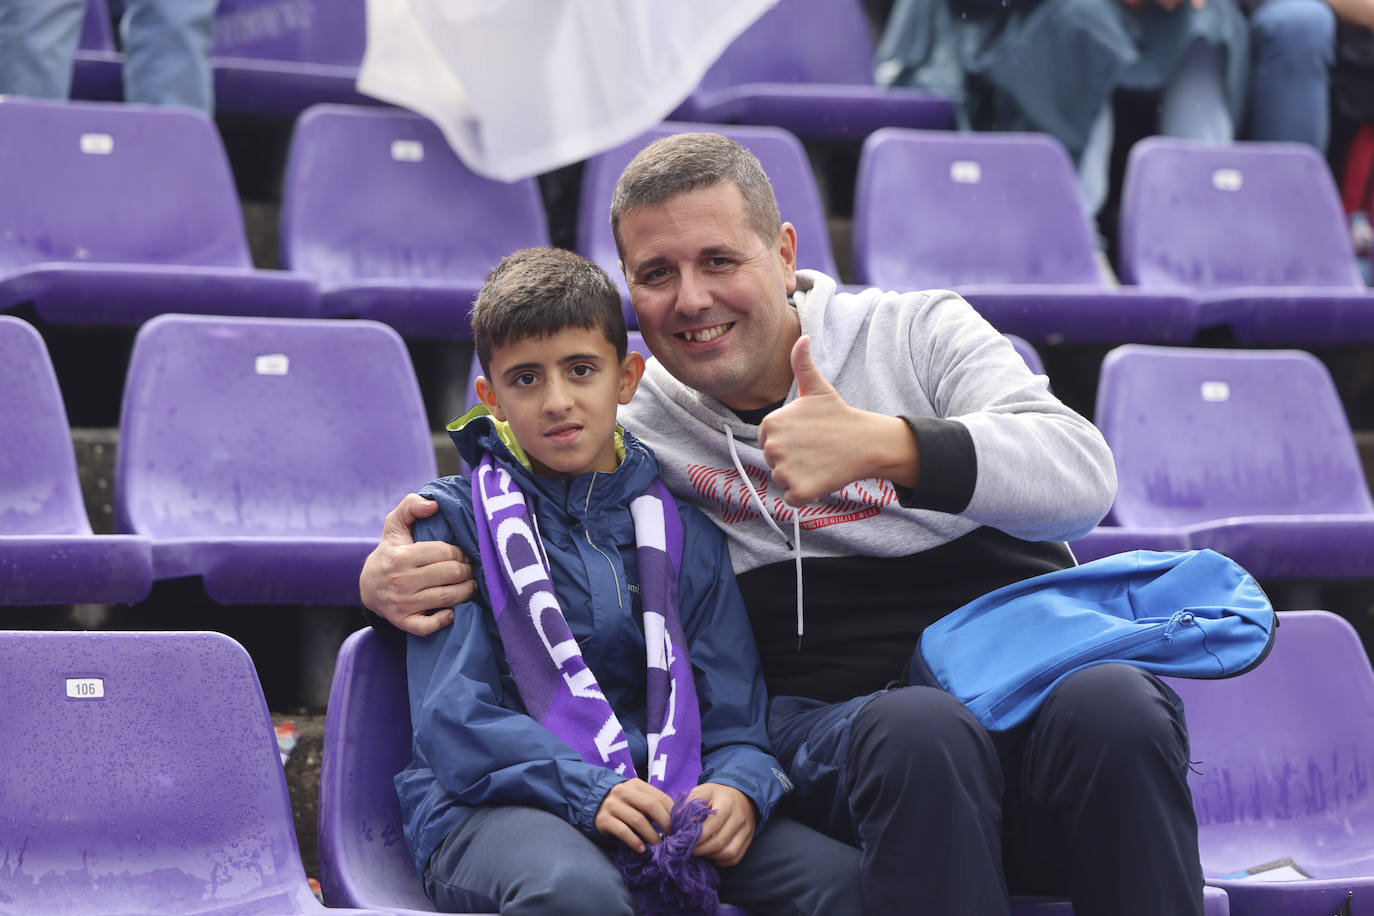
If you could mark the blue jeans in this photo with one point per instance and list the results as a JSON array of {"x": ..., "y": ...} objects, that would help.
[
  {"x": 521, "y": 861},
  {"x": 1292, "y": 49},
  {"x": 1192, "y": 105},
  {"x": 166, "y": 49}
]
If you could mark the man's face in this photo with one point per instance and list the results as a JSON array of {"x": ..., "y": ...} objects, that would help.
[
  {"x": 559, "y": 393},
  {"x": 711, "y": 294}
]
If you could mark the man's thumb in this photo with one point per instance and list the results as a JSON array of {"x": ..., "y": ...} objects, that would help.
[{"x": 809, "y": 378}]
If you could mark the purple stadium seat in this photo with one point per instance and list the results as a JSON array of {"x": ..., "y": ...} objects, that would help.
[
  {"x": 363, "y": 857},
  {"x": 779, "y": 152},
  {"x": 142, "y": 776},
  {"x": 364, "y": 861},
  {"x": 806, "y": 65},
  {"x": 1283, "y": 770},
  {"x": 1255, "y": 230},
  {"x": 112, "y": 213},
  {"x": 380, "y": 211},
  {"x": 276, "y": 59},
  {"x": 261, "y": 454},
  {"x": 997, "y": 218},
  {"x": 1214, "y": 903},
  {"x": 1248, "y": 453},
  {"x": 48, "y": 554}
]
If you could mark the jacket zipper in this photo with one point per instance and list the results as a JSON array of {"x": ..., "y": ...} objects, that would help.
[{"x": 586, "y": 509}]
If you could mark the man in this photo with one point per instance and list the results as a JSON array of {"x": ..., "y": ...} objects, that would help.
[{"x": 918, "y": 465}]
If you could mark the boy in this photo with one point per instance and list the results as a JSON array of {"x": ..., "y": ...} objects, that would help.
[{"x": 604, "y": 676}]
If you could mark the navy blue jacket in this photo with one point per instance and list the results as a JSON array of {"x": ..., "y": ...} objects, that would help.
[{"x": 473, "y": 742}]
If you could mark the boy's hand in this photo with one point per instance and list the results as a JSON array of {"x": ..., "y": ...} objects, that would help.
[
  {"x": 629, "y": 812},
  {"x": 726, "y": 834},
  {"x": 403, "y": 580}
]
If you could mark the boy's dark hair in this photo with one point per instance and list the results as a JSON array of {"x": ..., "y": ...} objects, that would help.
[{"x": 540, "y": 291}]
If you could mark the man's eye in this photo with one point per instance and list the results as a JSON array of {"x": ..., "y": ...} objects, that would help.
[
  {"x": 719, "y": 261},
  {"x": 651, "y": 276}
]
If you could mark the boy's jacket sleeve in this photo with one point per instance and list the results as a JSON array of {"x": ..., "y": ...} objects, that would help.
[{"x": 729, "y": 678}]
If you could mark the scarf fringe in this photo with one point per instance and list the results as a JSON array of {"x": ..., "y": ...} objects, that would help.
[{"x": 667, "y": 879}]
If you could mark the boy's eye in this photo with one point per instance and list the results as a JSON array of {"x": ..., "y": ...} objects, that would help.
[
  {"x": 582, "y": 370},
  {"x": 523, "y": 379}
]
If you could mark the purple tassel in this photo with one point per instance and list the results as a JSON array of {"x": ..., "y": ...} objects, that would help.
[{"x": 666, "y": 879}]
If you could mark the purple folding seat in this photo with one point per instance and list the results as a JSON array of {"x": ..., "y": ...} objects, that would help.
[
  {"x": 779, "y": 152},
  {"x": 276, "y": 59},
  {"x": 48, "y": 553},
  {"x": 376, "y": 207},
  {"x": 1282, "y": 771},
  {"x": 806, "y": 65},
  {"x": 142, "y": 777},
  {"x": 262, "y": 454},
  {"x": 998, "y": 219},
  {"x": 1248, "y": 453},
  {"x": 1255, "y": 230},
  {"x": 112, "y": 213},
  {"x": 364, "y": 861},
  {"x": 363, "y": 857},
  {"x": 1214, "y": 903}
]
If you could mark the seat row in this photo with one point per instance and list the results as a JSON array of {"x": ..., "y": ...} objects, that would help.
[
  {"x": 113, "y": 214},
  {"x": 803, "y": 65},
  {"x": 142, "y": 776},
  {"x": 261, "y": 455}
]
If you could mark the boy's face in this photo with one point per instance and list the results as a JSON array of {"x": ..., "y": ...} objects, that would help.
[{"x": 559, "y": 394}]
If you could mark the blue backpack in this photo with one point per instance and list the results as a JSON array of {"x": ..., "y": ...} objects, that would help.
[{"x": 1187, "y": 614}]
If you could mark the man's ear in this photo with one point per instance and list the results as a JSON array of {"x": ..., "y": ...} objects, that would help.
[
  {"x": 787, "y": 251},
  {"x": 631, "y": 371},
  {"x": 487, "y": 394}
]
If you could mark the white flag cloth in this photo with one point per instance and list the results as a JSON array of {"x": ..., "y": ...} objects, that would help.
[{"x": 521, "y": 87}]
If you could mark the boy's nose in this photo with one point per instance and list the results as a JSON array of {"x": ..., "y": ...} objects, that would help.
[{"x": 557, "y": 397}]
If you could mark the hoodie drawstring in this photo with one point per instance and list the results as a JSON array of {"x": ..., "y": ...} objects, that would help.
[{"x": 793, "y": 545}]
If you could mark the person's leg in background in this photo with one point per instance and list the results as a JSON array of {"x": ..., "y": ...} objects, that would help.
[
  {"x": 1192, "y": 104},
  {"x": 1292, "y": 50},
  {"x": 167, "y": 47},
  {"x": 38, "y": 40}
]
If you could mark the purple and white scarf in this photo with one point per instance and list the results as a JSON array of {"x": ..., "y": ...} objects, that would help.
[{"x": 560, "y": 691}]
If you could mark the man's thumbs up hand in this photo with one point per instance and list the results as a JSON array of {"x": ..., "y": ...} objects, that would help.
[
  {"x": 818, "y": 443},
  {"x": 810, "y": 382}
]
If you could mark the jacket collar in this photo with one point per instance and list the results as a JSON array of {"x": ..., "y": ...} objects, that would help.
[{"x": 477, "y": 432}]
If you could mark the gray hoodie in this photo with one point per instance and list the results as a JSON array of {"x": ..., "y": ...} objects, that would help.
[{"x": 1003, "y": 464}]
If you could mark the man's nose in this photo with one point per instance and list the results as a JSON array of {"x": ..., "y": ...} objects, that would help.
[{"x": 693, "y": 294}]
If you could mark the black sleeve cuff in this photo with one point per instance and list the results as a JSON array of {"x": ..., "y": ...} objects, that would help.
[{"x": 949, "y": 466}]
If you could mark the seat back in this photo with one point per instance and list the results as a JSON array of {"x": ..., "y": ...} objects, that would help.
[
  {"x": 1283, "y": 754},
  {"x": 779, "y": 152},
  {"x": 292, "y": 32},
  {"x": 799, "y": 41},
  {"x": 1201, "y": 434},
  {"x": 937, "y": 209},
  {"x": 40, "y": 490},
  {"x": 104, "y": 182},
  {"x": 1203, "y": 216},
  {"x": 141, "y": 776},
  {"x": 375, "y": 193},
  {"x": 363, "y": 855},
  {"x": 269, "y": 427},
  {"x": 1027, "y": 352}
]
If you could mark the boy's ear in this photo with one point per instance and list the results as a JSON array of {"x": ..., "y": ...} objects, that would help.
[
  {"x": 487, "y": 394},
  {"x": 631, "y": 371}
]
